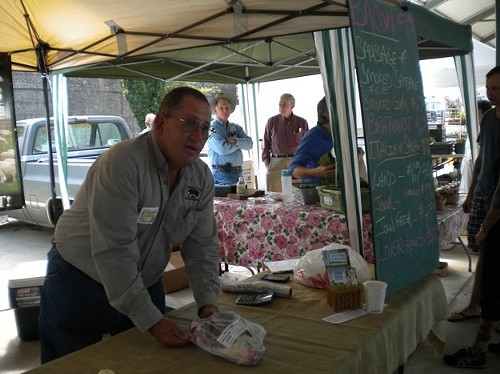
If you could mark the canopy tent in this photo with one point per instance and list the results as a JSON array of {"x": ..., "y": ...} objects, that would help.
[
  {"x": 75, "y": 33},
  {"x": 241, "y": 41},
  {"x": 272, "y": 58},
  {"x": 236, "y": 41}
]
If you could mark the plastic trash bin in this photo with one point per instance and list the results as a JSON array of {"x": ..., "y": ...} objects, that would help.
[{"x": 25, "y": 286}]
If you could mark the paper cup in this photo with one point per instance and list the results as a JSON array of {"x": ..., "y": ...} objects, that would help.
[{"x": 374, "y": 296}]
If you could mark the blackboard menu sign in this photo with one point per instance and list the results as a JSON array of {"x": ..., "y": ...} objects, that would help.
[{"x": 397, "y": 143}]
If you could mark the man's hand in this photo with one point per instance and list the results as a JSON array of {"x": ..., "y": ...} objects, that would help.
[
  {"x": 207, "y": 310},
  {"x": 231, "y": 140},
  {"x": 467, "y": 204},
  {"x": 481, "y": 237},
  {"x": 325, "y": 171},
  {"x": 167, "y": 333}
]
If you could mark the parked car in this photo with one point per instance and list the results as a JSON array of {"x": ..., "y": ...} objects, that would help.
[{"x": 88, "y": 137}]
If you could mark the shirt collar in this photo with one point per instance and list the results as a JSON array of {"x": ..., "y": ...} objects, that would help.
[
  {"x": 218, "y": 121},
  {"x": 289, "y": 119},
  {"x": 160, "y": 160}
]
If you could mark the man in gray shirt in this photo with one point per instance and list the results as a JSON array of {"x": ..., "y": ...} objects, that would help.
[{"x": 140, "y": 199}]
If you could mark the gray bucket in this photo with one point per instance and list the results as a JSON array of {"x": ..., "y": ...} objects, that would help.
[{"x": 309, "y": 194}]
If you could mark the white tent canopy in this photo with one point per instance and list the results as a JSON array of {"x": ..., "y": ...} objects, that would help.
[
  {"x": 76, "y": 33},
  {"x": 151, "y": 38}
]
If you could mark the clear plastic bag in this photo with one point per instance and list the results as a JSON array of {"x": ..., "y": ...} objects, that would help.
[
  {"x": 230, "y": 336},
  {"x": 311, "y": 271}
]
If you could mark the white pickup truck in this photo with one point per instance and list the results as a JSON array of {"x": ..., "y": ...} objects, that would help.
[{"x": 88, "y": 137}]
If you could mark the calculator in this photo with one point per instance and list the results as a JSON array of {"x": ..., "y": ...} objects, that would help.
[
  {"x": 280, "y": 278},
  {"x": 254, "y": 298}
]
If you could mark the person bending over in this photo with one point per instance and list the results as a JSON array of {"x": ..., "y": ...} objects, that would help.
[
  {"x": 139, "y": 200},
  {"x": 316, "y": 143}
]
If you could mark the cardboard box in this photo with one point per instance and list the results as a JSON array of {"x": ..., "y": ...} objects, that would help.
[{"x": 174, "y": 277}]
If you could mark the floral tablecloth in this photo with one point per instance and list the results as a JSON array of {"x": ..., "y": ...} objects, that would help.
[
  {"x": 251, "y": 234},
  {"x": 451, "y": 222}
]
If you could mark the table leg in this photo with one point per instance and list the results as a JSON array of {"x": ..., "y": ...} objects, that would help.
[
  {"x": 223, "y": 268},
  {"x": 467, "y": 252}
]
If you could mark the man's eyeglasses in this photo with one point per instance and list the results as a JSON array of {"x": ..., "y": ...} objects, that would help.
[{"x": 191, "y": 125}]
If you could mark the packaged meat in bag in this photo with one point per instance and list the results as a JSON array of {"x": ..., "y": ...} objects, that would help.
[{"x": 230, "y": 336}]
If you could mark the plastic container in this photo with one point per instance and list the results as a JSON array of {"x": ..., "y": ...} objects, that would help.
[
  {"x": 330, "y": 197},
  {"x": 309, "y": 194},
  {"x": 25, "y": 288},
  {"x": 460, "y": 147},
  {"x": 286, "y": 186},
  {"x": 375, "y": 296}
]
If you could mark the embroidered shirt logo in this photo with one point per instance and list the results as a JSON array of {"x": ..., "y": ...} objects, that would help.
[{"x": 193, "y": 194}]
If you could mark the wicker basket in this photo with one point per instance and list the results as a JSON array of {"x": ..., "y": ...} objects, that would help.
[{"x": 342, "y": 298}]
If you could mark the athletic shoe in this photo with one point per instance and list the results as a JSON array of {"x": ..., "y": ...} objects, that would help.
[
  {"x": 472, "y": 358},
  {"x": 494, "y": 348}
]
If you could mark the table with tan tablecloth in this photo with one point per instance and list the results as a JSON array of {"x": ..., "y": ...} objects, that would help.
[{"x": 297, "y": 339}]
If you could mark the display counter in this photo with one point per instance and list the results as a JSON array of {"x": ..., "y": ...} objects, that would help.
[
  {"x": 251, "y": 234},
  {"x": 297, "y": 339}
]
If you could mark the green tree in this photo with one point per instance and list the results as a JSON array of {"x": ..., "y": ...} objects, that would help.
[
  {"x": 210, "y": 90},
  {"x": 145, "y": 96}
]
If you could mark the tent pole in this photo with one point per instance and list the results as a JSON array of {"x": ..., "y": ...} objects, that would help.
[
  {"x": 49, "y": 149},
  {"x": 41, "y": 52}
]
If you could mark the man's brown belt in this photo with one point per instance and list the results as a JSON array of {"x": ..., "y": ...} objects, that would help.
[
  {"x": 227, "y": 168},
  {"x": 282, "y": 156}
]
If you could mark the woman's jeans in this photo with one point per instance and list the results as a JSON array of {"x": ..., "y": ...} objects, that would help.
[{"x": 225, "y": 178}]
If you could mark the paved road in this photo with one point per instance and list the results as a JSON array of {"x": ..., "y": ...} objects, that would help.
[{"x": 21, "y": 242}]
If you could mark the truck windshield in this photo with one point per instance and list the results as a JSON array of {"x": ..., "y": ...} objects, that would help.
[{"x": 81, "y": 136}]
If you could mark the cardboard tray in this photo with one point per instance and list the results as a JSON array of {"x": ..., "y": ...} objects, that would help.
[{"x": 251, "y": 192}]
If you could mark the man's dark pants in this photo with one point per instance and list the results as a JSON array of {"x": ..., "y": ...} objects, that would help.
[{"x": 75, "y": 312}]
